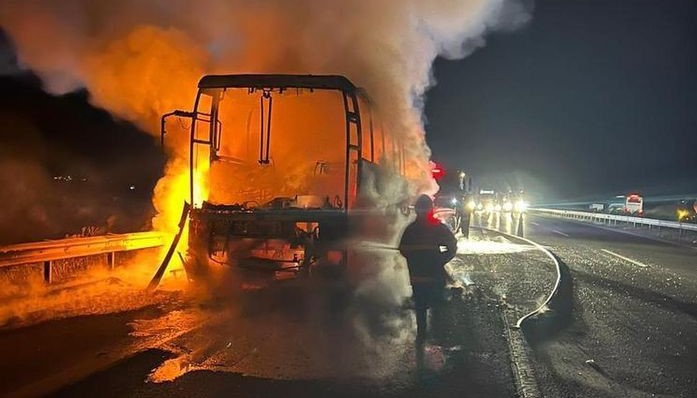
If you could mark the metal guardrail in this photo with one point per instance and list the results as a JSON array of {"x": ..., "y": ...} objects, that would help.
[
  {"x": 610, "y": 218},
  {"x": 45, "y": 252}
]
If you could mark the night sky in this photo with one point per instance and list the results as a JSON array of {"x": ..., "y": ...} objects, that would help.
[
  {"x": 591, "y": 98},
  {"x": 45, "y": 137}
]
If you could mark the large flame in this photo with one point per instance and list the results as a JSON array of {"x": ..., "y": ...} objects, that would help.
[{"x": 140, "y": 59}]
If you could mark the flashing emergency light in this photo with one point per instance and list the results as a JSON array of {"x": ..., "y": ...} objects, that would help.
[{"x": 437, "y": 172}]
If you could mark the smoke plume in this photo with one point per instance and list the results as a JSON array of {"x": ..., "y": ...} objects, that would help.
[{"x": 140, "y": 59}]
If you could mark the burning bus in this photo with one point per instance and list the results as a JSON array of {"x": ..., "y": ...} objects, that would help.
[{"x": 281, "y": 170}]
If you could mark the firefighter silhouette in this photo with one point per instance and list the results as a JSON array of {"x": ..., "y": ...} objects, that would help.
[{"x": 427, "y": 245}]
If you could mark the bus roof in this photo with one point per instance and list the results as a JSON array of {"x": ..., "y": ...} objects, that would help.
[{"x": 327, "y": 82}]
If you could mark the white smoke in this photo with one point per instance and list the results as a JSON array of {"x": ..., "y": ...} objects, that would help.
[{"x": 139, "y": 59}]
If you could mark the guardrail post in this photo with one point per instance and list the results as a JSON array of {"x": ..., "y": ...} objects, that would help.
[
  {"x": 47, "y": 272},
  {"x": 110, "y": 260}
]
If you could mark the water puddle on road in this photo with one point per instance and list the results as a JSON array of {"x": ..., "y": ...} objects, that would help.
[
  {"x": 307, "y": 329},
  {"x": 304, "y": 342},
  {"x": 494, "y": 246},
  {"x": 316, "y": 328}
]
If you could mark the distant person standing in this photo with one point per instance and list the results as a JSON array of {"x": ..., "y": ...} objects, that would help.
[
  {"x": 428, "y": 245},
  {"x": 464, "y": 214}
]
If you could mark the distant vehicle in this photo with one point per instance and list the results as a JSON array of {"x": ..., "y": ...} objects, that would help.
[
  {"x": 449, "y": 210},
  {"x": 487, "y": 201},
  {"x": 615, "y": 208},
  {"x": 596, "y": 207},
  {"x": 687, "y": 210},
  {"x": 490, "y": 201},
  {"x": 452, "y": 204},
  {"x": 634, "y": 205}
]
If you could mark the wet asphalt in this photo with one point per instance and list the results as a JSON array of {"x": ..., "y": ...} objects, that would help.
[
  {"x": 634, "y": 317},
  {"x": 630, "y": 332}
]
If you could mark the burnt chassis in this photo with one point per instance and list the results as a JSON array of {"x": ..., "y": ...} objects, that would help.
[{"x": 217, "y": 230}]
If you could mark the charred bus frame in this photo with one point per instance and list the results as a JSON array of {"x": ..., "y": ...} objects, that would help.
[{"x": 213, "y": 226}]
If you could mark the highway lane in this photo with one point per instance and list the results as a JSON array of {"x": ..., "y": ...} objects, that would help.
[
  {"x": 634, "y": 315},
  {"x": 295, "y": 340},
  {"x": 673, "y": 256},
  {"x": 631, "y": 332}
]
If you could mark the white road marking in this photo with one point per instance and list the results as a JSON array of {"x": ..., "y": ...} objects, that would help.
[
  {"x": 534, "y": 223},
  {"x": 625, "y": 258},
  {"x": 560, "y": 233}
]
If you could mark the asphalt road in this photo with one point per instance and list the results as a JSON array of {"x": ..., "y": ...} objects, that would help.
[
  {"x": 302, "y": 338},
  {"x": 633, "y": 327},
  {"x": 630, "y": 331}
]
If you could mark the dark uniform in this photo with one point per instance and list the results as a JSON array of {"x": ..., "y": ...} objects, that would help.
[{"x": 427, "y": 245}]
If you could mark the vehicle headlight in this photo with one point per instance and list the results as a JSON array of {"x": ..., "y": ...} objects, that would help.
[
  {"x": 682, "y": 214},
  {"x": 521, "y": 206},
  {"x": 453, "y": 201},
  {"x": 471, "y": 205}
]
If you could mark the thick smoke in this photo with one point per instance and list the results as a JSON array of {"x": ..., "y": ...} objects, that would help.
[{"x": 139, "y": 59}]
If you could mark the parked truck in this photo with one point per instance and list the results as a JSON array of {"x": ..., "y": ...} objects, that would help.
[{"x": 634, "y": 205}]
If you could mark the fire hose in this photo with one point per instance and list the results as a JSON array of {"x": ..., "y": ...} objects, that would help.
[{"x": 155, "y": 281}]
